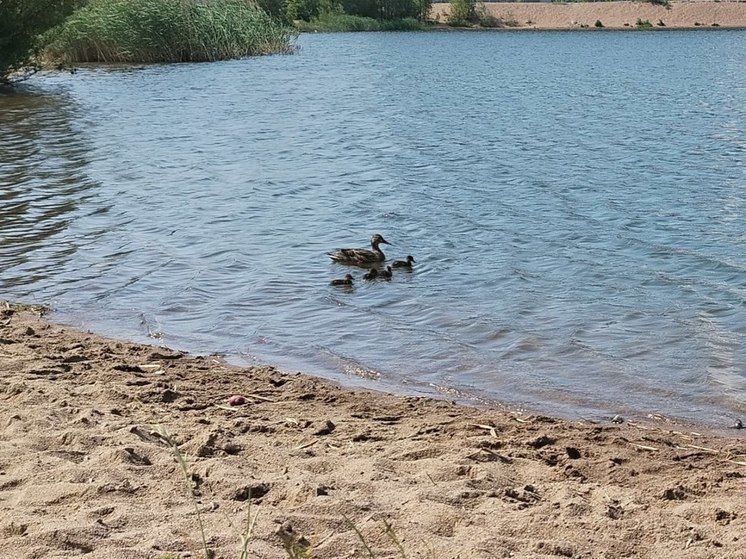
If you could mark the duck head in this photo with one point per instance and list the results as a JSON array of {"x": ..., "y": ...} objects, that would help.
[{"x": 377, "y": 239}]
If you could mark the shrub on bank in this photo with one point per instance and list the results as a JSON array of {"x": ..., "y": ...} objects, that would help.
[
  {"x": 21, "y": 21},
  {"x": 463, "y": 13},
  {"x": 643, "y": 24},
  {"x": 167, "y": 31},
  {"x": 343, "y": 22},
  {"x": 337, "y": 13}
]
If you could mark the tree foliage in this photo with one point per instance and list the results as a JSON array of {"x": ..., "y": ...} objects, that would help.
[
  {"x": 21, "y": 23},
  {"x": 462, "y": 12},
  {"x": 385, "y": 10}
]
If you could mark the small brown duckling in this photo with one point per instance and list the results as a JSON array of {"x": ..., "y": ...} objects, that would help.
[
  {"x": 346, "y": 281},
  {"x": 404, "y": 263},
  {"x": 385, "y": 274},
  {"x": 373, "y": 274}
]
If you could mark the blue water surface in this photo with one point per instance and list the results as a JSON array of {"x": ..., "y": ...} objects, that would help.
[{"x": 575, "y": 202}]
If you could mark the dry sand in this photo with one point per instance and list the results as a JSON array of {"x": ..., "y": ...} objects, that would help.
[
  {"x": 613, "y": 15},
  {"x": 84, "y": 470}
]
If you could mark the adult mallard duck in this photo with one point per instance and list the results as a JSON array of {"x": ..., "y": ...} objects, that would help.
[
  {"x": 361, "y": 256},
  {"x": 403, "y": 263},
  {"x": 346, "y": 281}
]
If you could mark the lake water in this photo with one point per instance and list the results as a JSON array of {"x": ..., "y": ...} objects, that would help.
[{"x": 576, "y": 204}]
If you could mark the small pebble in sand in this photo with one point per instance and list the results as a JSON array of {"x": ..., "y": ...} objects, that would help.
[{"x": 236, "y": 400}]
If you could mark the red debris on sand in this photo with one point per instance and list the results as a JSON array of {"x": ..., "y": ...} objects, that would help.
[{"x": 236, "y": 400}]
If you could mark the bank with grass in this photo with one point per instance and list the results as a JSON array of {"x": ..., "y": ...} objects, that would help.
[{"x": 114, "y": 31}]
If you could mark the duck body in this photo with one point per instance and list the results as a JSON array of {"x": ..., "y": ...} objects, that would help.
[
  {"x": 373, "y": 274},
  {"x": 346, "y": 281},
  {"x": 386, "y": 274},
  {"x": 361, "y": 256},
  {"x": 404, "y": 263}
]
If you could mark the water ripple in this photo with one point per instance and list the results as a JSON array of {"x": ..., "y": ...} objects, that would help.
[{"x": 578, "y": 229}]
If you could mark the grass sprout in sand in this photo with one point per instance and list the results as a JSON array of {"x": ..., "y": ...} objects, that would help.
[{"x": 167, "y": 31}]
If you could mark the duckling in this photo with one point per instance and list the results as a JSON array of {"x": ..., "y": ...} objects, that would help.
[
  {"x": 373, "y": 274},
  {"x": 404, "y": 263},
  {"x": 346, "y": 281},
  {"x": 385, "y": 274},
  {"x": 361, "y": 256}
]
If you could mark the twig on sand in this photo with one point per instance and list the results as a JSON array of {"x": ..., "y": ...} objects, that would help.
[
  {"x": 643, "y": 447},
  {"x": 714, "y": 451},
  {"x": 258, "y": 397},
  {"x": 489, "y": 428},
  {"x": 228, "y": 408}
]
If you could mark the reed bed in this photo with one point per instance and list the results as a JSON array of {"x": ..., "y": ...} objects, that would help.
[{"x": 167, "y": 31}]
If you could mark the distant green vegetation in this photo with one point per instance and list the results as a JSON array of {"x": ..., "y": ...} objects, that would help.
[
  {"x": 344, "y": 22},
  {"x": 462, "y": 13},
  {"x": 355, "y": 15},
  {"x": 21, "y": 22},
  {"x": 167, "y": 31},
  {"x": 469, "y": 13},
  {"x": 65, "y": 32}
]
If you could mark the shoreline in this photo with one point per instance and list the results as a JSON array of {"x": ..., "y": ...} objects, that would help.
[
  {"x": 83, "y": 467},
  {"x": 546, "y": 16}
]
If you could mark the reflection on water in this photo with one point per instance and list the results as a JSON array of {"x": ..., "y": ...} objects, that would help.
[
  {"x": 43, "y": 184},
  {"x": 578, "y": 230}
]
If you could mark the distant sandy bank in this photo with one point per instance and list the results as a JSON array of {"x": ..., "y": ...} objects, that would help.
[{"x": 613, "y": 15}]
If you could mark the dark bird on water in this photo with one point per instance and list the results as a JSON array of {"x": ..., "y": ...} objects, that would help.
[
  {"x": 385, "y": 274},
  {"x": 347, "y": 280},
  {"x": 403, "y": 263},
  {"x": 361, "y": 256},
  {"x": 373, "y": 274}
]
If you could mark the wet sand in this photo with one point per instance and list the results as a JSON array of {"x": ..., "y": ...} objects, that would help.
[
  {"x": 613, "y": 15},
  {"x": 84, "y": 466}
]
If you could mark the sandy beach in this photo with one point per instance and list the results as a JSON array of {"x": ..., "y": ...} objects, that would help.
[
  {"x": 86, "y": 467},
  {"x": 613, "y": 15}
]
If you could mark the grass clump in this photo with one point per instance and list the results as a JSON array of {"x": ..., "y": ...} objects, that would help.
[
  {"x": 598, "y": 23},
  {"x": 246, "y": 534},
  {"x": 294, "y": 545},
  {"x": 643, "y": 24},
  {"x": 167, "y": 31},
  {"x": 343, "y": 22}
]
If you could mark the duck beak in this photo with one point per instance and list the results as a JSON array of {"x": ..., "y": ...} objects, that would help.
[{"x": 385, "y": 242}]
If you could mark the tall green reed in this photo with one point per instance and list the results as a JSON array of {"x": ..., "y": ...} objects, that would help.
[{"x": 167, "y": 31}]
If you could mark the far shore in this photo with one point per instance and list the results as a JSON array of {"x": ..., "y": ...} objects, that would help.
[{"x": 611, "y": 15}]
